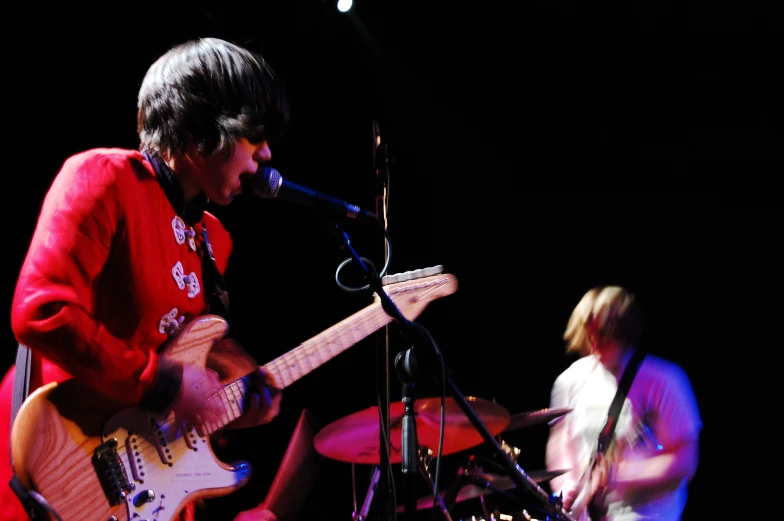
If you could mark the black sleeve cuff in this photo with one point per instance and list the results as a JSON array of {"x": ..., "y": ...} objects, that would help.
[{"x": 164, "y": 389}]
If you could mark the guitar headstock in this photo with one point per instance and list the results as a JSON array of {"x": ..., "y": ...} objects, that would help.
[{"x": 412, "y": 291}]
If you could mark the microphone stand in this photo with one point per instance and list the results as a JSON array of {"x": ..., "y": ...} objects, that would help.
[
  {"x": 380, "y": 160},
  {"x": 406, "y": 366},
  {"x": 553, "y": 504}
]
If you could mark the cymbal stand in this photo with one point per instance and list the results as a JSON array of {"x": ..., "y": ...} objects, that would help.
[
  {"x": 425, "y": 457},
  {"x": 362, "y": 514}
]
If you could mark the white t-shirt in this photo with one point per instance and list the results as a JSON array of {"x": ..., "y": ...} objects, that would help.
[{"x": 660, "y": 411}]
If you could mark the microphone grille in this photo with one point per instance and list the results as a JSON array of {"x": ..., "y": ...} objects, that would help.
[{"x": 267, "y": 182}]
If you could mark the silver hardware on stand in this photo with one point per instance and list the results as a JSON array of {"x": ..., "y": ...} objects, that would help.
[{"x": 363, "y": 513}]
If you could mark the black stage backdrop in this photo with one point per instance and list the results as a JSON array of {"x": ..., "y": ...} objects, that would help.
[{"x": 535, "y": 153}]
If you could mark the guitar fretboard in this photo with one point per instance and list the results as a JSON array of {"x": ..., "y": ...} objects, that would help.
[
  {"x": 313, "y": 353},
  {"x": 229, "y": 402}
]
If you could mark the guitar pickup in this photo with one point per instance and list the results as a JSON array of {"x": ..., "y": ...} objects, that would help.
[
  {"x": 164, "y": 432},
  {"x": 190, "y": 436},
  {"x": 134, "y": 447},
  {"x": 111, "y": 472}
]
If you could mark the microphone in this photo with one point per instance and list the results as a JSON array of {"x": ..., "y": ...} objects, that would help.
[{"x": 268, "y": 183}]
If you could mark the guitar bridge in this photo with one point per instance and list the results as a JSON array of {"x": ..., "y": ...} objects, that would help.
[{"x": 111, "y": 472}]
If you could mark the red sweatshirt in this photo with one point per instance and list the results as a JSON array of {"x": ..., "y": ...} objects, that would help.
[{"x": 110, "y": 270}]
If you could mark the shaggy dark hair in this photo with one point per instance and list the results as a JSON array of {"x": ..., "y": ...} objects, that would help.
[{"x": 208, "y": 93}]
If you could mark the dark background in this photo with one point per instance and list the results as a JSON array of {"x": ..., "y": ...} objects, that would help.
[{"x": 536, "y": 152}]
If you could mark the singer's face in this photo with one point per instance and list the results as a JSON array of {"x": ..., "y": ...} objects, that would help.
[{"x": 220, "y": 175}]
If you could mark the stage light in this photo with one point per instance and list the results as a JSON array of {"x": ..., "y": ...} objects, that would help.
[{"x": 345, "y": 5}]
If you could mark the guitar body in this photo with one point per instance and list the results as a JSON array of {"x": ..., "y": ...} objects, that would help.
[
  {"x": 94, "y": 460},
  {"x": 640, "y": 441},
  {"x": 584, "y": 508},
  {"x": 159, "y": 464}
]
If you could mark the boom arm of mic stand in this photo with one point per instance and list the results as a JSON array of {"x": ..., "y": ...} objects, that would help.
[{"x": 374, "y": 282}]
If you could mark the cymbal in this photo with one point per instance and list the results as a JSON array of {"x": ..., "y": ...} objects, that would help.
[
  {"x": 526, "y": 419},
  {"x": 494, "y": 483},
  {"x": 355, "y": 438}
]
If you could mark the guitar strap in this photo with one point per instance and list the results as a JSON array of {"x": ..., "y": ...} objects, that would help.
[
  {"x": 24, "y": 362},
  {"x": 34, "y": 504},
  {"x": 608, "y": 431}
]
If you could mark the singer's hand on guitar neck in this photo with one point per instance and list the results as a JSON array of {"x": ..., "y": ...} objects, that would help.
[
  {"x": 232, "y": 362},
  {"x": 263, "y": 401},
  {"x": 192, "y": 403},
  {"x": 198, "y": 401},
  {"x": 194, "y": 406}
]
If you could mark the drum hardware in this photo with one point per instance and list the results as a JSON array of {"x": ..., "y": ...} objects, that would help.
[
  {"x": 435, "y": 500},
  {"x": 499, "y": 516},
  {"x": 512, "y": 452},
  {"x": 527, "y": 516},
  {"x": 529, "y": 418},
  {"x": 354, "y": 438},
  {"x": 492, "y": 516},
  {"x": 474, "y": 483},
  {"x": 425, "y": 455},
  {"x": 362, "y": 514}
]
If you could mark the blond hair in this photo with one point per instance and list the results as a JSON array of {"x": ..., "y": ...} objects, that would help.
[{"x": 609, "y": 313}]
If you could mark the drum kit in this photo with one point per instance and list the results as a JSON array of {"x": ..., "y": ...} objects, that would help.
[{"x": 355, "y": 439}]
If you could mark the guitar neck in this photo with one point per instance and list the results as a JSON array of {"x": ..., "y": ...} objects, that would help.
[
  {"x": 303, "y": 359},
  {"x": 411, "y": 295},
  {"x": 313, "y": 353}
]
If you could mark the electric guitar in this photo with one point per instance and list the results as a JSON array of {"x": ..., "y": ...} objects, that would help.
[
  {"x": 640, "y": 441},
  {"x": 91, "y": 460},
  {"x": 582, "y": 510}
]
